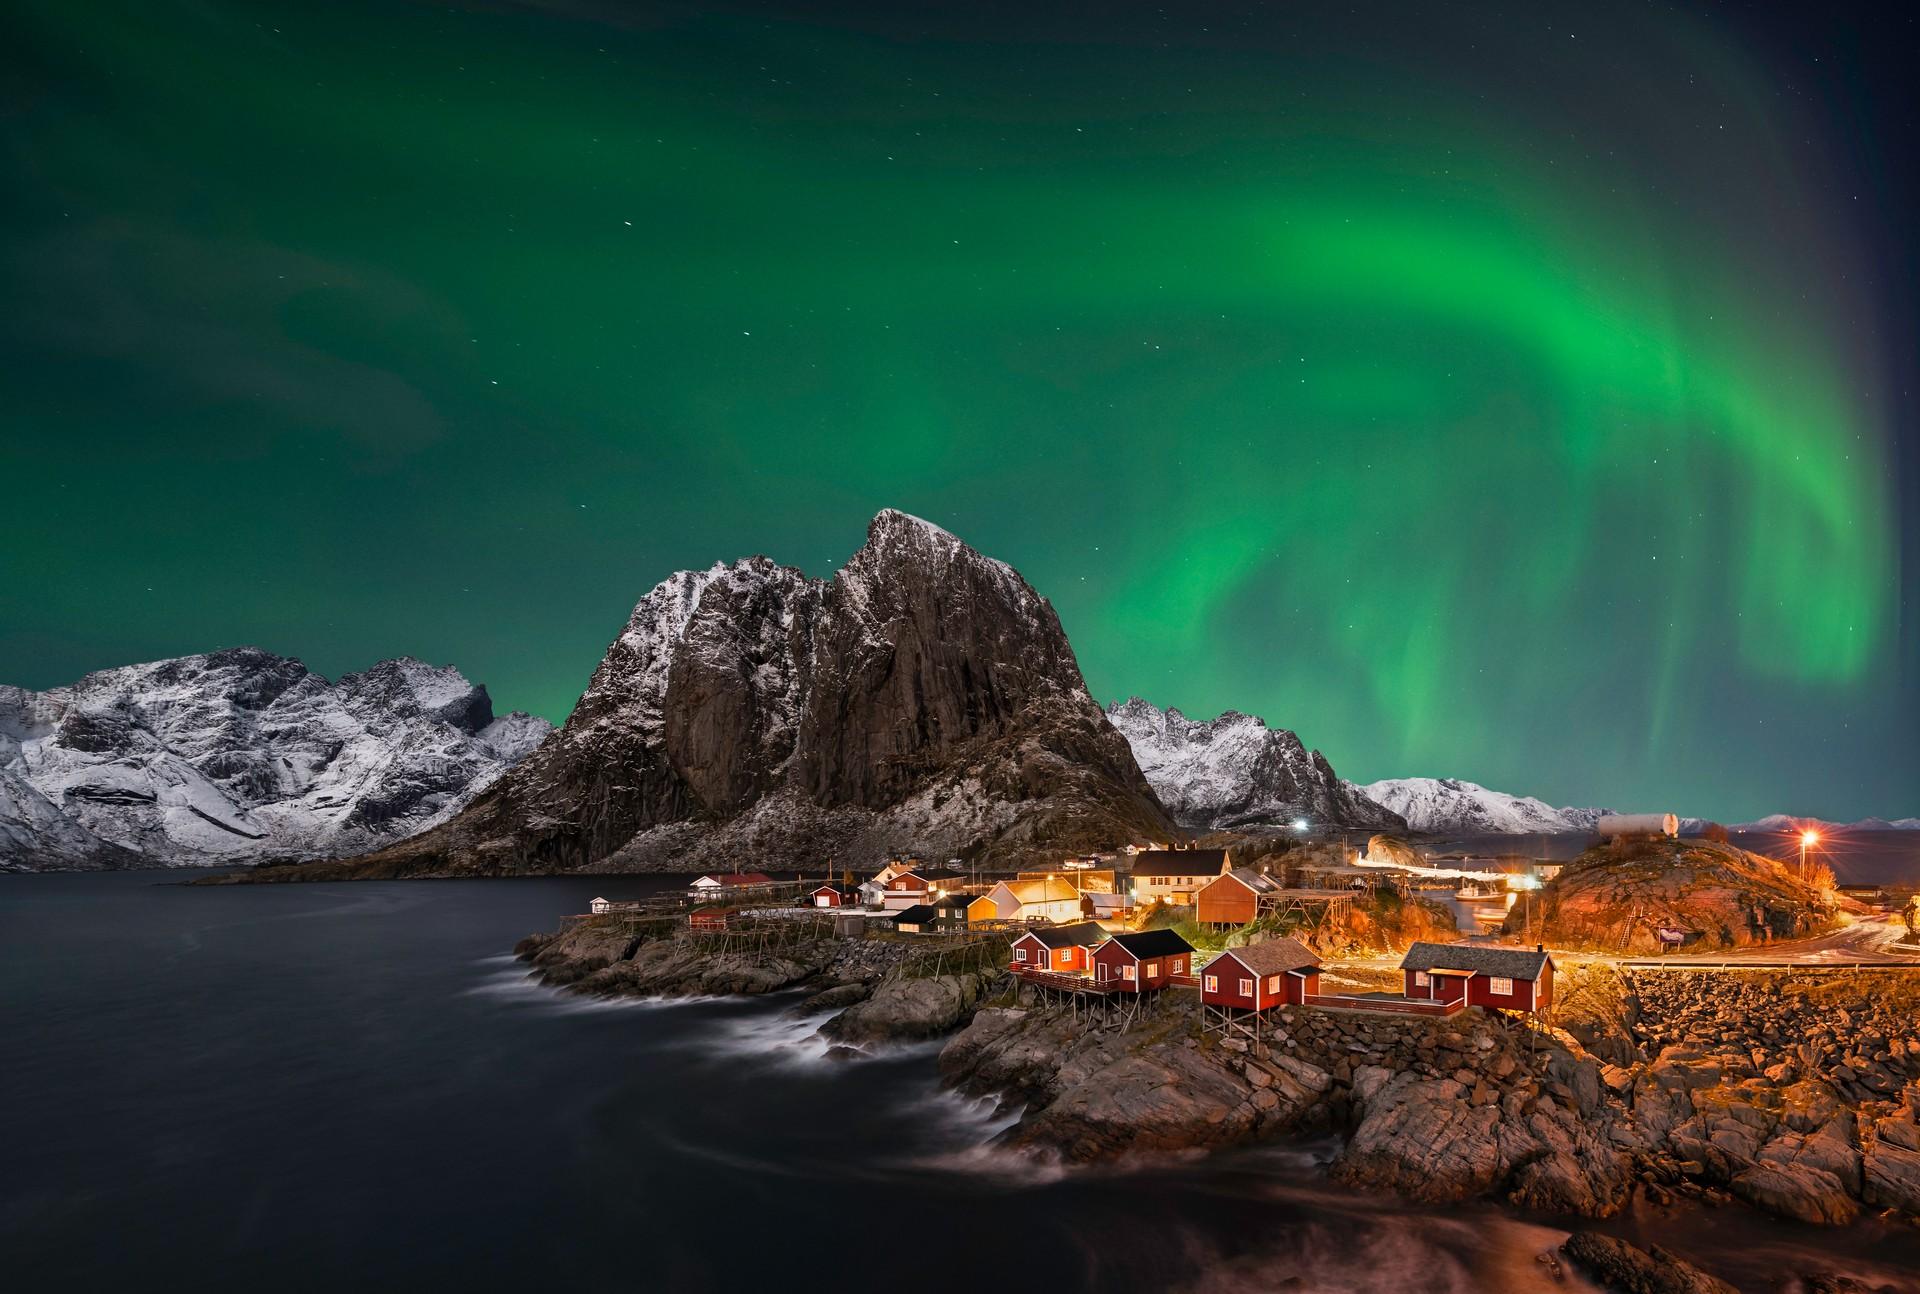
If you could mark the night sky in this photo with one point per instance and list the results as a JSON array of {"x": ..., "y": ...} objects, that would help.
[{"x": 1496, "y": 391}]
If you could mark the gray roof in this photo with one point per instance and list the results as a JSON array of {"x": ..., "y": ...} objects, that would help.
[
  {"x": 1258, "y": 882},
  {"x": 1082, "y": 934},
  {"x": 1510, "y": 963},
  {"x": 1273, "y": 956},
  {"x": 1179, "y": 862}
]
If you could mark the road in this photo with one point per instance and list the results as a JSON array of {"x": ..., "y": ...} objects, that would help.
[{"x": 1865, "y": 940}]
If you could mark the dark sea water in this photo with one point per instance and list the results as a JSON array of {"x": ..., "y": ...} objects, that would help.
[{"x": 352, "y": 1088}]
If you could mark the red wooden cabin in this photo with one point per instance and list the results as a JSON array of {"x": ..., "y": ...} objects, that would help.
[
  {"x": 1142, "y": 962},
  {"x": 1279, "y": 972},
  {"x": 1065, "y": 950},
  {"x": 709, "y": 918},
  {"x": 1234, "y": 898},
  {"x": 1505, "y": 979},
  {"x": 827, "y": 896}
]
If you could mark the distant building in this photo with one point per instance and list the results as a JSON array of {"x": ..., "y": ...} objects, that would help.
[
  {"x": 600, "y": 906},
  {"x": 709, "y": 886},
  {"x": 1507, "y": 979},
  {"x": 1175, "y": 875},
  {"x": 1051, "y": 899},
  {"x": 919, "y": 919},
  {"x": 1235, "y": 898},
  {"x": 905, "y": 890},
  {"x": 832, "y": 896},
  {"x": 1637, "y": 824}
]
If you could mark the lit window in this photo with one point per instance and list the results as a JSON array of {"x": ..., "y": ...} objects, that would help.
[
  {"x": 1273, "y": 983},
  {"x": 1420, "y": 979},
  {"x": 1246, "y": 988},
  {"x": 1153, "y": 970},
  {"x": 1500, "y": 986},
  {"x": 1213, "y": 984},
  {"x": 1019, "y": 954},
  {"x": 1127, "y": 972}
]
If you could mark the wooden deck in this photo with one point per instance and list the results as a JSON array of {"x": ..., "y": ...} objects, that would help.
[{"x": 1385, "y": 1004}]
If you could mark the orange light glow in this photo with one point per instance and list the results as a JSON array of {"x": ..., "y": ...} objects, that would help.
[{"x": 1809, "y": 838}]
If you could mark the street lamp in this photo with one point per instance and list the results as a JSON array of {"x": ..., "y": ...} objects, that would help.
[{"x": 1808, "y": 839}]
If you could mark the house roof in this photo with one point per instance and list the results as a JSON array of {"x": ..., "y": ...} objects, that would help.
[
  {"x": 955, "y": 900},
  {"x": 1510, "y": 963},
  {"x": 1050, "y": 890},
  {"x": 919, "y": 912},
  {"x": 1152, "y": 943},
  {"x": 1179, "y": 862},
  {"x": 908, "y": 881},
  {"x": 1272, "y": 957},
  {"x": 1258, "y": 882},
  {"x": 1100, "y": 901},
  {"x": 1081, "y": 934}
]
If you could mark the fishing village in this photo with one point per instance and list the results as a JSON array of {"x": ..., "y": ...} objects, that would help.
[{"x": 1660, "y": 1019}]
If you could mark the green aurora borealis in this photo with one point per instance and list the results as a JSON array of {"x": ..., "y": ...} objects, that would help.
[{"x": 1494, "y": 398}]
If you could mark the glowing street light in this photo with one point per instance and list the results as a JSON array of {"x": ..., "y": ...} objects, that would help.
[
  {"x": 1808, "y": 839},
  {"x": 1300, "y": 824}
]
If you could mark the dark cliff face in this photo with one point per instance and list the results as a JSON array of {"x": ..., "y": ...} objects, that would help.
[{"x": 924, "y": 698}]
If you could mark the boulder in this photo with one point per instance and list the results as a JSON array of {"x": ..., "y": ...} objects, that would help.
[{"x": 1621, "y": 1267}]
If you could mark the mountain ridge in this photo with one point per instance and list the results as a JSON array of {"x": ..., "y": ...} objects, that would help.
[
  {"x": 924, "y": 699},
  {"x": 238, "y": 755},
  {"x": 1234, "y": 771}
]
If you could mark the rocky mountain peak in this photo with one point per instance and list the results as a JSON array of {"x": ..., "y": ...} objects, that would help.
[
  {"x": 1235, "y": 771},
  {"x": 239, "y": 754},
  {"x": 1448, "y": 805},
  {"x": 925, "y": 699}
]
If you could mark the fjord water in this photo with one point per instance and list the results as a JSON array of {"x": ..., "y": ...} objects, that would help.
[{"x": 326, "y": 1087}]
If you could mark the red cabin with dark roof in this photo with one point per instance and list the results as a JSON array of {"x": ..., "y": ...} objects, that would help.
[
  {"x": 1064, "y": 950},
  {"x": 1143, "y": 962},
  {"x": 828, "y": 896},
  {"x": 1504, "y": 979},
  {"x": 1278, "y": 972}
]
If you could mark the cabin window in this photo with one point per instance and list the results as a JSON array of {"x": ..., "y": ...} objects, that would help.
[
  {"x": 1246, "y": 988},
  {"x": 1019, "y": 954},
  {"x": 1273, "y": 983},
  {"x": 1213, "y": 984},
  {"x": 1153, "y": 970},
  {"x": 1420, "y": 979},
  {"x": 1127, "y": 972},
  {"x": 1500, "y": 986}
]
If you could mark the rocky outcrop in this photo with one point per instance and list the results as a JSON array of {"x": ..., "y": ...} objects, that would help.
[
  {"x": 1103, "y": 1094},
  {"x": 1616, "y": 1265},
  {"x": 1234, "y": 772},
  {"x": 239, "y": 756},
  {"x": 903, "y": 1007},
  {"x": 1619, "y": 895},
  {"x": 923, "y": 700}
]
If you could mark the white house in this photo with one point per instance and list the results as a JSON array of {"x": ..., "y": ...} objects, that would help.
[
  {"x": 1050, "y": 898},
  {"x": 1176, "y": 875}
]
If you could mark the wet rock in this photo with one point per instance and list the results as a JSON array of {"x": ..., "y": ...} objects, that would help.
[
  {"x": 1621, "y": 1267},
  {"x": 912, "y": 1007}
]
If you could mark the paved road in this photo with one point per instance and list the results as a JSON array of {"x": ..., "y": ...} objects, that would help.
[{"x": 1873, "y": 940}]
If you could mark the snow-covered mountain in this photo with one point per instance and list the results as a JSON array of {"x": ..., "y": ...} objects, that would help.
[
  {"x": 1449, "y": 806},
  {"x": 240, "y": 754},
  {"x": 1235, "y": 771},
  {"x": 1788, "y": 822},
  {"x": 924, "y": 700}
]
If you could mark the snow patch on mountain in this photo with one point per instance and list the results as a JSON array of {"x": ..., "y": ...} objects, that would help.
[
  {"x": 1235, "y": 771},
  {"x": 1450, "y": 806},
  {"x": 236, "y": 755}
]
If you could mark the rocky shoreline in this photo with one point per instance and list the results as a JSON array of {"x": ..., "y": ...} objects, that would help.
[{"x": 1795, "y": 1093}]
